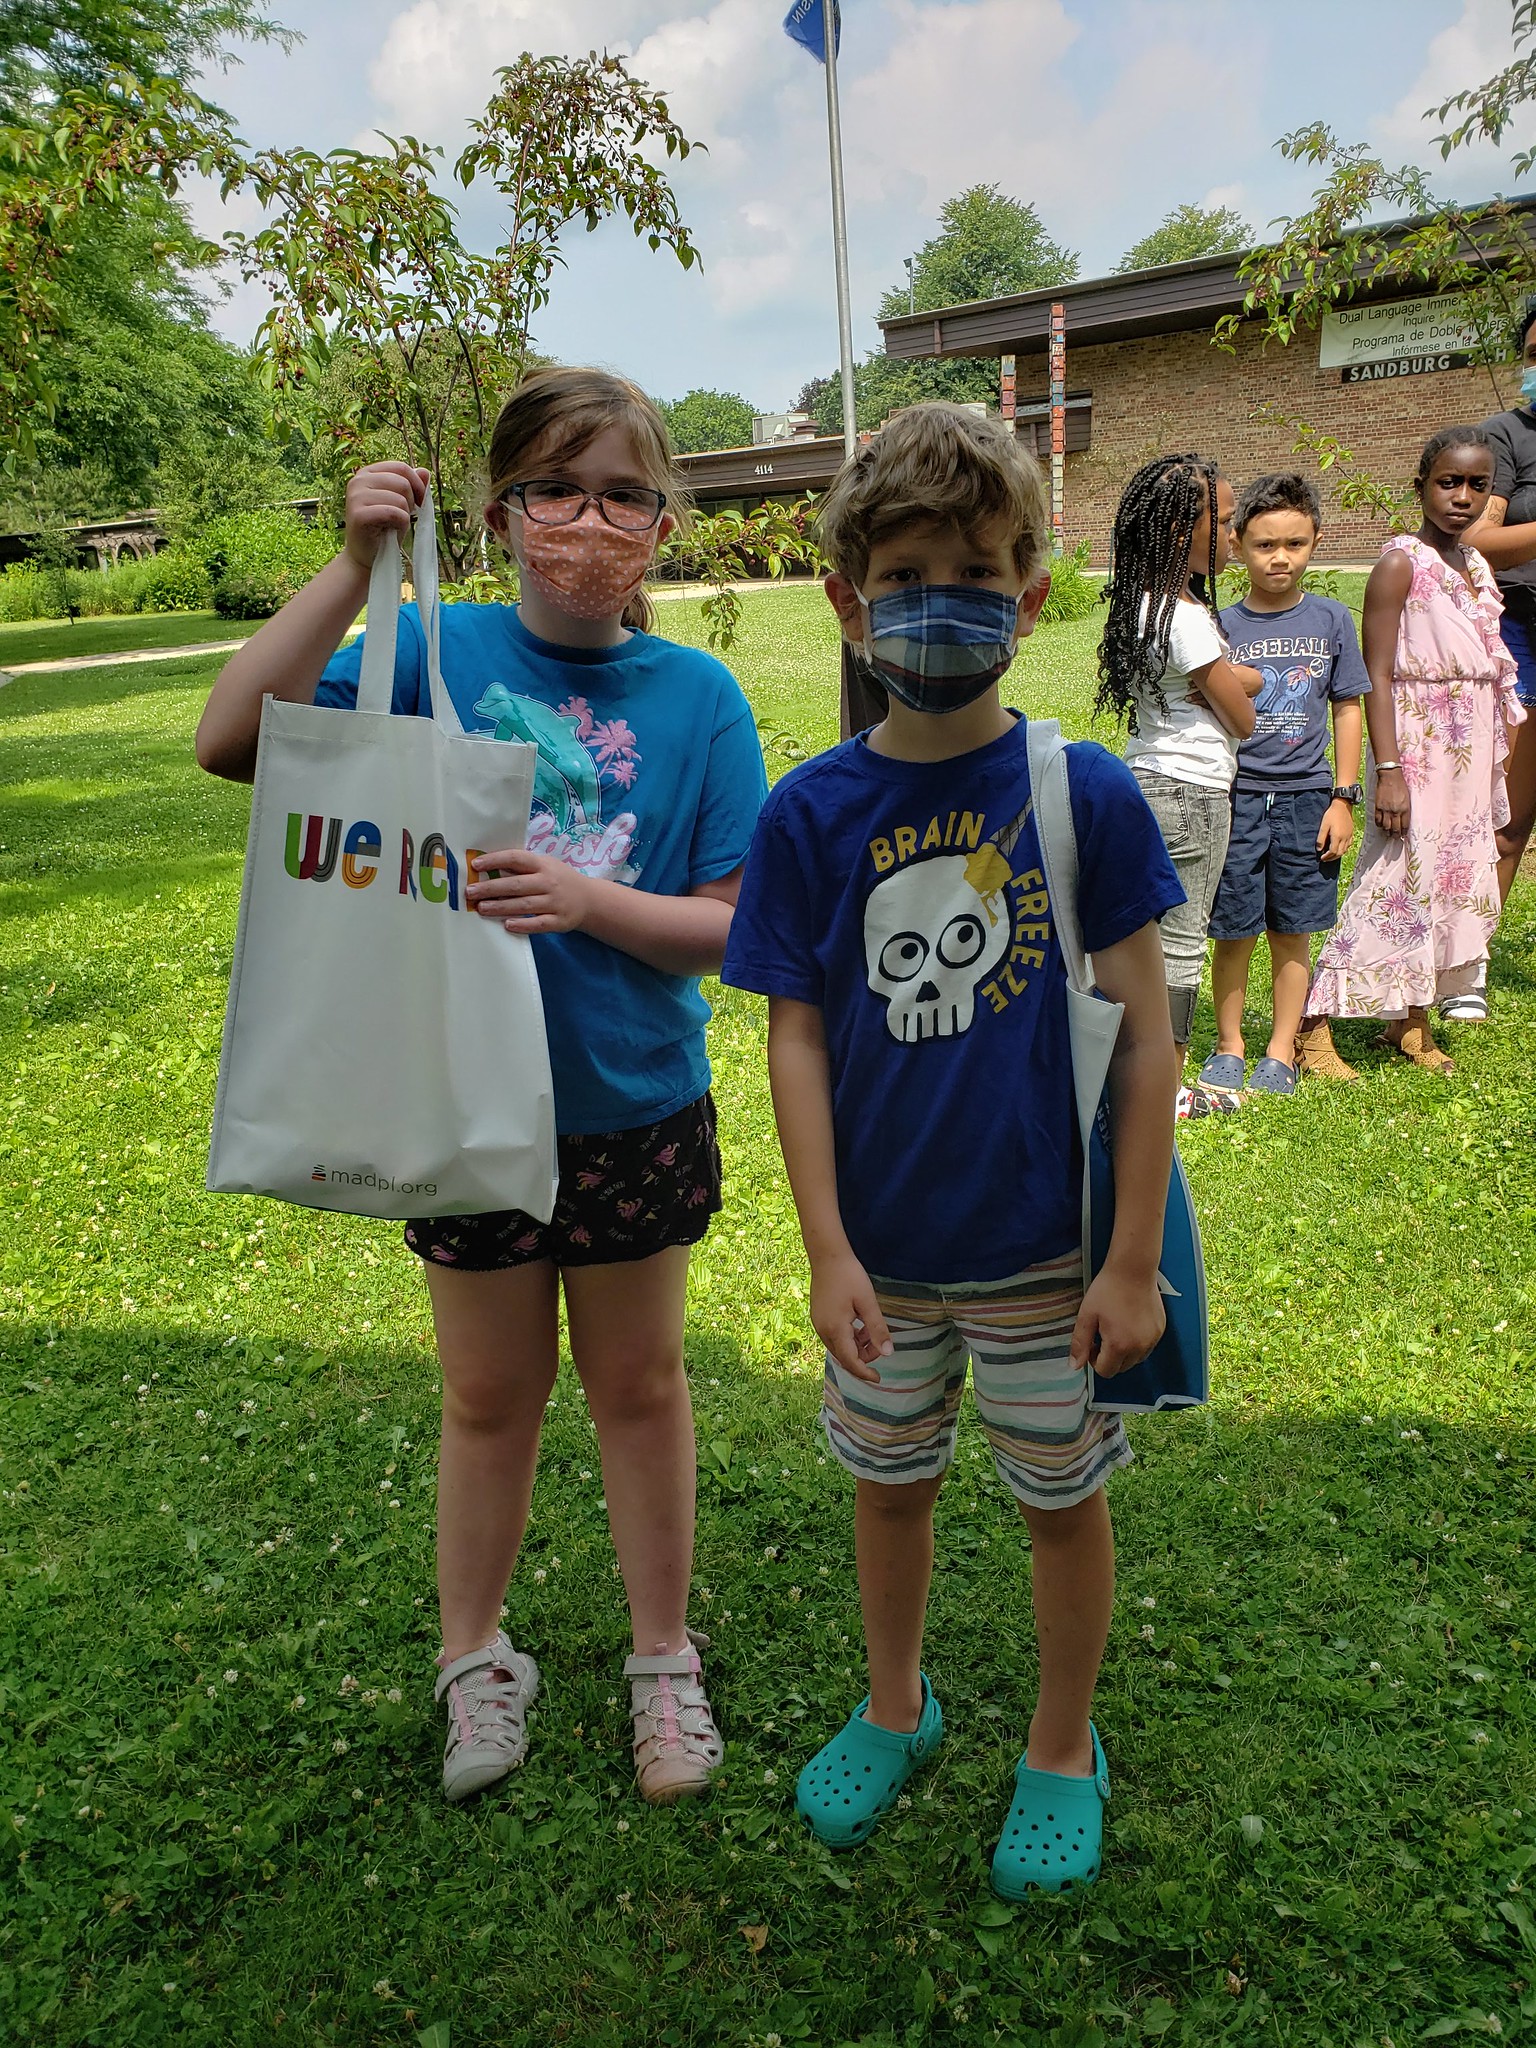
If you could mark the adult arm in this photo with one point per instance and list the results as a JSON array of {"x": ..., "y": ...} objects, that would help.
[
  {"x": 288, "y": 656},
  {"x": 1227, "y": 689},
  {"x": 1501, "y": 546},
  {"x": 844, "y": 1311},
  {"x": 1385, "y": 595},
  {"x": 1123, "y": 1308},
  {"x": 535, "y": 892}
]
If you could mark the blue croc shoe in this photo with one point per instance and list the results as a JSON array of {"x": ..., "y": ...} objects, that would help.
[
  {"x": 1223, "y": 1070},
  {"x": 1053, "y": 1838},
  {"x": 1273, "y": 1077},
  {"x": 847, "y": 1787}
]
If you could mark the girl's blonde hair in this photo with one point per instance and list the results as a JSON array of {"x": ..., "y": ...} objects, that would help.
[{"x": 556, "y": 413}]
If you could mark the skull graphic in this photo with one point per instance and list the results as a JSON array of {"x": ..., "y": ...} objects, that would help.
[{"x": 931, "y": 937}]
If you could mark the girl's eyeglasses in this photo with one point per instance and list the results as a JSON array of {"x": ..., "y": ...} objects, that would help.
[{"x": 547, "y": 502}]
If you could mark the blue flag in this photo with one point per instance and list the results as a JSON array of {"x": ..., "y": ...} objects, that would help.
[{"x": 805, "y": 24}]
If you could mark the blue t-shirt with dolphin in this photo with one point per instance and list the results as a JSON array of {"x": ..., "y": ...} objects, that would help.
[{"x": 649, "y": 773}]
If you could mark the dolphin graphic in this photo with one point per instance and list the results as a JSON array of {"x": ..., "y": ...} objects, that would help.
[{"x": 565, "y": 779}]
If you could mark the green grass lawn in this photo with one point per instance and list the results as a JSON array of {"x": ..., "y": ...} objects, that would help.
[
  {"x": 57, "y": 640},
  {"x": 218, "y": 1767}
]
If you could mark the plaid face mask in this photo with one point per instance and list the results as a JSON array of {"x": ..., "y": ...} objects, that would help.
[{"x": 937, "y": 646}]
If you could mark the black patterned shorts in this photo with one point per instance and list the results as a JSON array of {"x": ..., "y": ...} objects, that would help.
[{"x": 623, "y": 1195}]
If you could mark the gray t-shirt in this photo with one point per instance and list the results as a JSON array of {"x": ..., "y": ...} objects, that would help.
[
  {"x": 1513, "y": 435},
  {"x": 1309, "y": 657}
]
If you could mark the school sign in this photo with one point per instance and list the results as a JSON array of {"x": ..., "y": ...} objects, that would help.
[{"x": 1399, "y": 338}]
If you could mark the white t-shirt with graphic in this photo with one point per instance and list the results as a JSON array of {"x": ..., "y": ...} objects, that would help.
[{"x": 1187, "y": 741}]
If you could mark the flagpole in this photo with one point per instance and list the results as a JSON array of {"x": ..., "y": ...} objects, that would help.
[{"x": 839, "y": 224}]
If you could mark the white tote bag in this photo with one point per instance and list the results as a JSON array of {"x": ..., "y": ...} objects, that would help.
[{"x": 384, "y": 1048}]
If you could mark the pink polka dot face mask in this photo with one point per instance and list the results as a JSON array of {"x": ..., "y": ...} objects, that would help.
[{"x": 587, "y": 568}]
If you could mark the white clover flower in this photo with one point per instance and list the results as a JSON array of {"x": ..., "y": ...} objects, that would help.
[
  {"x": 168, "y": 1989},
  {"x": 383, "y": 1988},
  {"x": 84, "y": 1813},
  {"x": 1147, "y": 1600},
  {"x": 794, "y": 1593},
  {"x": 770, "y": 1550},
  {"x": 393, "y": 1695},
  {"x": 539, "y": 1575},
  {"x": 357, "y": 1791},
  {"x": 371, "y": 1879},
  {"x": 583, "y": 1475},
  {"x": 310, "y": 1477},
  {"x": 247, "y": 1407},
  {"x": 165, "y": 1507},
  {"x": 622, "y": 1826},
  {"x": 340, "y": 1746},
  {"x": 385, "y": 1485},
  {"x": 203, "y": 1460},
  {"x": 1147, "y": 1632},
  {"x": 296, "y": 1702},
  {"x": 348, "y": 1684},
  {"x": 230, "y": 1677},
  {"x": 1374, "y": 1665},
  {"x": 770, "y": 1777},
  {"x": 394, "y": 1503},
  {"x": 213, "y": 1692},
  {"x": 370, "y": 1697}
]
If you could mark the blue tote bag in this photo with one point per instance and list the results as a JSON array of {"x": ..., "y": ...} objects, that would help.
[{"x": 1177, "y": 1371}]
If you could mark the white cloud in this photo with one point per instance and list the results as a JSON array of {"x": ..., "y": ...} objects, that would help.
[{"x": 1470, "y": 50}]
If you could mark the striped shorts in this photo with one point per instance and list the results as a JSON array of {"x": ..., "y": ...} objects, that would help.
[{"x": 1051, "y": 1449}]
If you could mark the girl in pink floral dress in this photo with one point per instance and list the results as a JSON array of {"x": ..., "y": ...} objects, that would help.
[{"x": 1424, "y": 901}]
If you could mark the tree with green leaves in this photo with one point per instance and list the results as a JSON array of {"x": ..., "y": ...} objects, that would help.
[
  {"x": 988, "y": 246},
  {"x": 1187, "y": 232},
  {"x": 363, "y": 256},
  {"x": 48, "y": 47},
  {"x": 701, "y": 420},
  {"x": 1373, "y": 224}
]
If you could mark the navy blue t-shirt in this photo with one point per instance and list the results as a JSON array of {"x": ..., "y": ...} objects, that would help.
[
  {"x": 649, "y": 773},
  {"x": 906, "y": 900},
  {"x": 1308, "y": 656}
]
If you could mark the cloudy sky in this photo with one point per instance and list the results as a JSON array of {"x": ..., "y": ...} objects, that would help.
[{"x": 1104, "y": 113}]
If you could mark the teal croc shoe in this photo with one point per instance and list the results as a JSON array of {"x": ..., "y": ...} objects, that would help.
[
  {"x": 1053, "y": 1838},
  {"x": 849, "y": 1785}
]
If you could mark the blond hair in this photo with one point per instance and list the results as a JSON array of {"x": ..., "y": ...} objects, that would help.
[
  {"x": 557, "y": 412},
  {"x": 934, "y": 464}
]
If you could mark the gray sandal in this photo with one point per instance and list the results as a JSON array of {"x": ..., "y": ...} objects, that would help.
[
  {"x": 489, "y": 1692},
  {"x": 677, "y": 1746}
]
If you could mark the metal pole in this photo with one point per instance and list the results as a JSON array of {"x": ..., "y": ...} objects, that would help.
[
  {"x": 1058, "y": 369},
  {"x": 911, "y": 284},
  {"x": 839, "y": 225}
]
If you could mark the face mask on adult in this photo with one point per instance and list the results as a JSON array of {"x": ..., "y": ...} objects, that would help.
[
  {"x": 1528, "y": 386},
  {"x": 938, "y": 646},
  {"x": 587, "y": 568}
]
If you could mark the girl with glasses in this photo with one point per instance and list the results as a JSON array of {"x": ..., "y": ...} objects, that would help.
[{"x": 649, "y": 781}]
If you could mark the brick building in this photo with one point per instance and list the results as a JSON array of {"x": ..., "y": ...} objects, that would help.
[{"x": 1142, "y": 376}]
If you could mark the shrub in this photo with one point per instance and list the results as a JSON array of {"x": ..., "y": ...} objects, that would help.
[
  {"x": 175, "y": 581},
  {"x": 1072, "y": 594},
  {"x": 112, "y": 593},
  {"x": 25, "y": 594},
  {"x": 483, "y": 586},
  {"x": 259, "y": 559}
]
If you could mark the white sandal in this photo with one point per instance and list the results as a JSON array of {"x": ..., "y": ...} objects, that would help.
[
  {"x": 678, "y": 1748},
  {"x": 489, "y": 1692}
]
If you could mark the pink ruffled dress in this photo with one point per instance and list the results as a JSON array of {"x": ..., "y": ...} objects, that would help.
[{"x": 1422, "y": 908}]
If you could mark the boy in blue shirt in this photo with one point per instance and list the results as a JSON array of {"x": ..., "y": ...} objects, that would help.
[
  {"x": 895, "y": 914},
  {"x": 1292, "y": 822}
]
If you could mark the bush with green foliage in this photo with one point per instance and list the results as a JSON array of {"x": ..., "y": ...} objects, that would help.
[
  {"x": 114, "y": 593},
  {"x": 175, "y": 581},
  {"x": 259, "y": 559},
  {"x": 1073, "y": 594},
  {"x": 25, "y": 594}
]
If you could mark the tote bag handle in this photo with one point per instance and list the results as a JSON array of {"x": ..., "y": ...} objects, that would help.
[
  {"x": 1058, "y": 843},
  {"x": 376, "y": 682}
]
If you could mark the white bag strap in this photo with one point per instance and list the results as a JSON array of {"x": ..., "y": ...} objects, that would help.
[
  {"x": 376, "y": 682},
  {"x": 1058, "y": 844}
]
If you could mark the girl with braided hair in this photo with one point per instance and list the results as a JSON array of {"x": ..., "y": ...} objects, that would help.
[{"x": 1164, "y": 667}]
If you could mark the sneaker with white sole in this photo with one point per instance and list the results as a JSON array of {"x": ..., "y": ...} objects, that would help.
[
  {"x": 677, "y": 1746},
  {"x": 488, "y": 1693}
]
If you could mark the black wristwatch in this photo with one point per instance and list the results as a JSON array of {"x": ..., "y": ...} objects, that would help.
[{"x": 1348, "y": 792}]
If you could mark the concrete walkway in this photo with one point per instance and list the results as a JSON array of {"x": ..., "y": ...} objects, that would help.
[{"x": 39, "y": 668}]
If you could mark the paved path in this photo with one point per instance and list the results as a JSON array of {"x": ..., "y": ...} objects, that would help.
[{"x": 38, "y": 668}]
